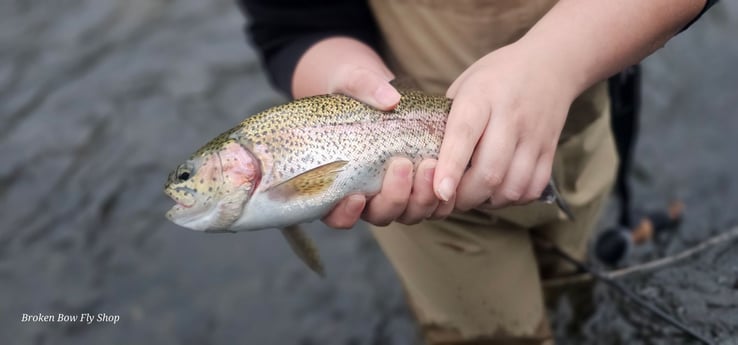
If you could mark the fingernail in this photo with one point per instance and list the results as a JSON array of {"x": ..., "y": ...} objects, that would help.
[
  {"x": 355, "y": 204},
  {"x": 386, "y": 96},
  {"x": 446, "y": 189}
]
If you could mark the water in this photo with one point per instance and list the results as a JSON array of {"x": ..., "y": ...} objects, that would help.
[{"x": 100, "y": 99}]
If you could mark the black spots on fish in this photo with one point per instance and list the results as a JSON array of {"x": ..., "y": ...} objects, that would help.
[
  {"x": 217, "y": 143},
  {"x": 335, "y": 127},
  {"x": 306, "y": 158},
  {"x": 202, "y": 180}
]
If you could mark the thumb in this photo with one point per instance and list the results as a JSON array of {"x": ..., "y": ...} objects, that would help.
[{"x": 369, "y": 87}]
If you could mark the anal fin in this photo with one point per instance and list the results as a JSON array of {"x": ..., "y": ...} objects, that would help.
[{"x": 304, "y": 248}]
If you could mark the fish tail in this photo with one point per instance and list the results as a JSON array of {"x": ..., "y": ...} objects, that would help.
[{"x": 551, "y": 195}]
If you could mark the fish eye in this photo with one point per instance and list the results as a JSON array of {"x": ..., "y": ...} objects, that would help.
[
  {"x": 184, "y": 172},
  {"x": 184, "y": 176}
]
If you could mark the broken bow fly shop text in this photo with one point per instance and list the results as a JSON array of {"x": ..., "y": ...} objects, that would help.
[{"x": 81, "y": 318}]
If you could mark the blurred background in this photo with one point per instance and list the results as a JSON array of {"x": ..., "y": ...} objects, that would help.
[{"x": 100, "y": 99}]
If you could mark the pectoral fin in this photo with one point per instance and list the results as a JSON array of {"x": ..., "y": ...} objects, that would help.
[
  {"x": 304, "y": 248},
  {"x": 309, "y": 183}
]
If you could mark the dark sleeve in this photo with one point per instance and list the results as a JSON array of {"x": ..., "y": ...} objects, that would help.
[
  {"x": 282, "y": 30},
  {"x": 708, "y": 4}
]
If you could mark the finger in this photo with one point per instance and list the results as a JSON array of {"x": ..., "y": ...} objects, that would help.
[
  {"x": 423, "y": 201},
  {"x": 541, "y": 176},
  {"x": 464, "y": 127},
  {"x": 489, "y": 166},
  {"x": 444, "y": 209},
  {"x": 391, "y": 201},
  {"x": 369, "y": 87},
  {"x": 346, "y": 213},
  {"x": 518, "y": 177},
  {"x": 454, "y": 88}
]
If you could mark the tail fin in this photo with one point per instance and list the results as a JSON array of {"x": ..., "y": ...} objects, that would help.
[{"x": 551, "y": 194}]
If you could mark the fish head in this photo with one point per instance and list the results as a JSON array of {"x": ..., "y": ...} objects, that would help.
[{"x": 212, "y": 187}]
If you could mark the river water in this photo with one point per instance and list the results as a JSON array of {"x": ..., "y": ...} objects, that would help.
[{"x": 100, "y": 99}]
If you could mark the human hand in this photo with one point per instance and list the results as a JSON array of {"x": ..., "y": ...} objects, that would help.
[
  {"x": 405, "y": 197},
  {"x": 508, "y": 112},
  {"x": 360, "y": 73}
]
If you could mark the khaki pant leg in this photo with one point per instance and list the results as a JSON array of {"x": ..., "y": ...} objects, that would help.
[
  {"x": 572, "y": 237},
  {"x": 470, "y": 280},
  {"x": 590, "y": 161},
  {"x": 474, "y": 278}
]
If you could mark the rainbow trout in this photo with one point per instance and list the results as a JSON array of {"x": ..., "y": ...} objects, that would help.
[{"x": 292, "y": 163}]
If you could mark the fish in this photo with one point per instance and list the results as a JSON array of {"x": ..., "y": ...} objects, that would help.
[{"x": 292, "y": 163}]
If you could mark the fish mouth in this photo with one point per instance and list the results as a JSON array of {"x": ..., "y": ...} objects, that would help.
[
  {"x": 177, "y": 210},
  {"x": 180, "y": 208},
  {"x": 182, "y": 214},
  {"x": 177, "y": 201},
  {"x": 182, "y": 205}
]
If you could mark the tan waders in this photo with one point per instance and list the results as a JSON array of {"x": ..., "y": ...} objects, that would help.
[{"x": 475, "y": 277}]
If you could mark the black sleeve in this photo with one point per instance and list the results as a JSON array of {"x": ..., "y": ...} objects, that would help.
[
  {"x": 708, "y": 4},
  {"x": 282, "y": 30}
]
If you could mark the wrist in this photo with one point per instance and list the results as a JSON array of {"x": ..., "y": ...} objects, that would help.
[
  {"x": 587, "y": 41},
  {"x": 328, "y": 61},
  {"x": 557, "y": 71}
]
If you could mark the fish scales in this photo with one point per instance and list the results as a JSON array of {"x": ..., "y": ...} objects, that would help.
[
  {"x": 292, "y": 163},
  {"x": 314, "y": 131}
]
